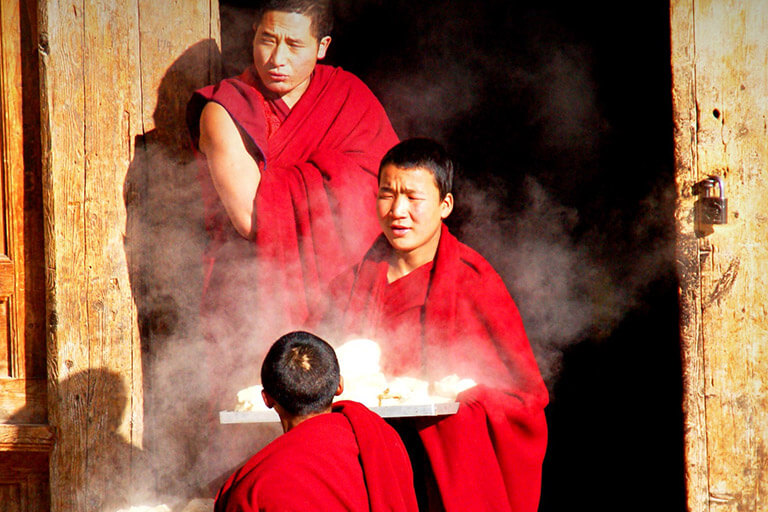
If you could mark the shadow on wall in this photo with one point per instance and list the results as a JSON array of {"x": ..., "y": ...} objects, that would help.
[
  {"x": 163, "y": 244},
  {"x": 106, "y": 467}
]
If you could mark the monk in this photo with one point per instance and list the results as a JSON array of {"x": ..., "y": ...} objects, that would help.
[
  {"x": 331, "y": 458},
  {"x": 438, "y": 308},
  {"x": 288, "y": 153}
]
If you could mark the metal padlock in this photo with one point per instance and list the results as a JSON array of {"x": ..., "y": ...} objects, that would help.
[{"x": 711, "y": 209}]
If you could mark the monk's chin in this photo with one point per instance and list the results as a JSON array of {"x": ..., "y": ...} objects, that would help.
[{"x": 398, "y": 244}]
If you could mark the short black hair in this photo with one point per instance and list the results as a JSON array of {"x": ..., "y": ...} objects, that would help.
[
  {"x": 423, "y": 153},
  {"x": 301, "y": 373},
  {"x": 319, "y": 11}
]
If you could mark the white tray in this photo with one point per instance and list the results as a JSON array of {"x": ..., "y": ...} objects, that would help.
[{"x": 385, "y": 411}]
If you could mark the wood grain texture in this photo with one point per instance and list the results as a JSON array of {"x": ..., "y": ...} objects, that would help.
[
  {"x": 719, "y": 61},
  {"x": 24, "y": 482},
  {"x": 63, "y": 136},
  {"x": 23, "y": 400},
  {"x": 12, "y": 191},
  {"x": 692, "y": 350},
  {"x": 31, "y": 284},
  {"x": 26, "y": 438},
  {"x": 102, "y": 64},
  {"x": 21, "y": 257}
]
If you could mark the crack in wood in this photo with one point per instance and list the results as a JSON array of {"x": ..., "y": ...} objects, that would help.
[{"x": 725, "y": 283}]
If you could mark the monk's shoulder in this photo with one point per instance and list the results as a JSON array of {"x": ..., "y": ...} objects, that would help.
[
  {"x": 342, "y": 80},
  {"x": 297, "y": 446},
  {"x": 479, "y": 279}
]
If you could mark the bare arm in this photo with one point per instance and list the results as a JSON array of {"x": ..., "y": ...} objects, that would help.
[{"x": 234, "y": 171}]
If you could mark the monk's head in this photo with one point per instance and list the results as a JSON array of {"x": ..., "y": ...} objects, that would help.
[
  {"x": 300, "y": 375},
  {"x": 290, "y": 37},
  {"x": 415, "y": 180}
]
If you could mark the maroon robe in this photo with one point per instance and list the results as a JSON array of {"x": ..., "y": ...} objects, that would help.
[
  {"x": 455, "y": 315},
  {"x": 314, "y": 210},
  {"x": 348, "y": 460}
]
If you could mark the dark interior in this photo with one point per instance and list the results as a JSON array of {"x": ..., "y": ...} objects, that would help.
[{"x": 570, "y": 103}]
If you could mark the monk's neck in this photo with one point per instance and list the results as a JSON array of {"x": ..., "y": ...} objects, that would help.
[
  {"x": 289, "y": 422},
  {"x": 403, "y": 263},
  {"x": 290, "y": 98}
]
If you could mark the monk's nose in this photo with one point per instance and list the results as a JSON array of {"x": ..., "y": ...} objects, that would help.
[
  {"x": 278, "y": 57},
  {"x": 399, "y": 207}
]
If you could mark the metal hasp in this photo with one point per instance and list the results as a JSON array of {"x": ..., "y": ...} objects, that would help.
[{"x": 711, "y": 209}]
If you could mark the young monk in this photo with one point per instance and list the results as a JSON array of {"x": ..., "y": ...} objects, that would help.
[
  {"x": 330, "y": 458},
  {"x": 437, "y": 308},
  {"x": 288, "y": 153}
]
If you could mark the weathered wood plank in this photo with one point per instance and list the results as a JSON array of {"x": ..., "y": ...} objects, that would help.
[
  {"x": 21, "y": 240},
  {"x": 165, "y": 213},
  {"x": 23, "y": 385},
  {"x": 26, "y": 438},
  {"x": 177, "y": 58},
  {"x": 720, "y": 52},
  {"x": 12, "y": 147},
  {"x": 692, "y": 349},
  {"x": 24, "y": 482},
  {"x": 29, "y": 241},
  {"x": 11, "y": 151},
  {"x": 11, "y": 139},
  {"x": 112, "y": 120},
  {"x": 732, "y": 46},
  {"x": 11, "y": 497},
  {"x": 102, "y": 67},
  {"x": 24, "y": 400},
  {"x": 62, "y": 33},
  {"x": 7, "y": 282},
  {"x": 6, "y": 351}
]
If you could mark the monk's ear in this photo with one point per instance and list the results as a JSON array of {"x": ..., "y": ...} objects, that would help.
[
  {"x": 322, "y": 47},
  {"x": 446, "y": 206},
  {"x": 340, "y": 389},
  {"x": 268, "y": 400}
]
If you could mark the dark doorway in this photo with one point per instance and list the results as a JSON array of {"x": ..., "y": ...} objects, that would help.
[{"x": 560, "y": 114}]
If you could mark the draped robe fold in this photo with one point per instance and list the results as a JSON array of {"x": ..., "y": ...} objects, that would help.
[
  {"x": 455, "y": 315},
  {"x": 348, "y": 460},
  {"x": 314, "y": 210}
]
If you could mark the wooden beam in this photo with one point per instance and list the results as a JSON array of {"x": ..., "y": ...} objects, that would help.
[
  {"x": 684, "y": 100},
  {"x": 26, "y": 438},
  {"x": 720, "y": 93},
  {"x": 23, "y": 400},
  {"x": 102, "y": 64}
]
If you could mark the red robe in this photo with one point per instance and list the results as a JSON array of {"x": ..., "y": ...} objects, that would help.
[
  {"x": 314, "y": 208},
  {"x": 348, "y": 460},
  {"x": 455, "y": 315}
]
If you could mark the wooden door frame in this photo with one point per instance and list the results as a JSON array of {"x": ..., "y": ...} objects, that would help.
[{"x": 720, "y": 88}]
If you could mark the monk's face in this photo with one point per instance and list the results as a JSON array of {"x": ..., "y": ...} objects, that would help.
[
  {"x": 285, "y": 53},
  {"x": 411, "y": 211}
]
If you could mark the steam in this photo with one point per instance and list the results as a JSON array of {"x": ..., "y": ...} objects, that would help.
[
  {"x": 561, "y": 289},
  {"x": 561, "y": 275},
  {"x": 164, "y": 243},
  {"x": 517, "y": 67}
]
